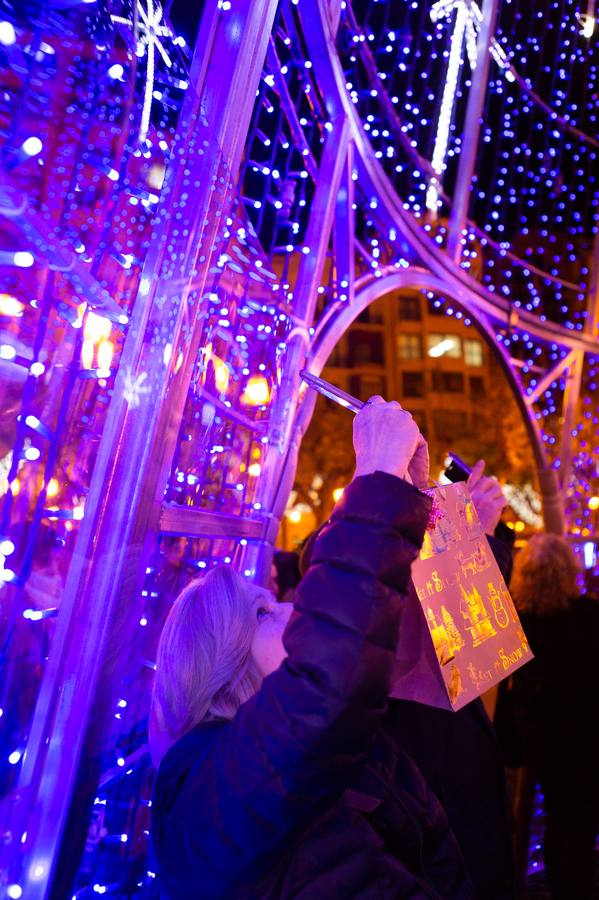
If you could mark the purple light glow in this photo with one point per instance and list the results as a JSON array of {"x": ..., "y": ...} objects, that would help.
[{"x": 164, "y": 279}]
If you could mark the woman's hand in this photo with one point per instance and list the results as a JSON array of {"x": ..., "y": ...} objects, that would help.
[
  {"x": 487, "y": 496},
  {"x": 387, "y": 439},
  {"x": 418, "y": 469}
]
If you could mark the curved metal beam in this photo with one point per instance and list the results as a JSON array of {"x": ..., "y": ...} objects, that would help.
[
  {"x": 438, "y": 273},
  {"x": 371, "y": 289},
  {"x": 463, "y": 287},
  {"x": 326, "y": 338}
]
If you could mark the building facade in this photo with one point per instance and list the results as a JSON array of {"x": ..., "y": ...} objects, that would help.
[{"x": 404, "y": 347}]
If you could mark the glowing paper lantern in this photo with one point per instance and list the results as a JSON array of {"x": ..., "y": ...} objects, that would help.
[{"x": 256, "y": 391}]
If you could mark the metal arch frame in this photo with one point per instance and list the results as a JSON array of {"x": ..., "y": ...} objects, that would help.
[
  {"x": 416, "y": 279},
  {"x": 439, "y": 271},
  {"x": 367, "y": 290},
  {"x": 229, "y": 103},
  {"x": 462, "y": 286}
]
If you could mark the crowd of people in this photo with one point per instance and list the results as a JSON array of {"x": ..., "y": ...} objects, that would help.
[{"x": 288, "y": 768}]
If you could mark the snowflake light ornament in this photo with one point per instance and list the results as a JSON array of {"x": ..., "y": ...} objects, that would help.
[
  {"x": 135, "y": 388},
  {"x": 150, "y": 29},
  {"x": 466, "y": 27},
  {"x": 471, "y": 17}
]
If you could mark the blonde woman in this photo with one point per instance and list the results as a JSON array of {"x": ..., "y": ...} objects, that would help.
[
  {"x": 273, "y": 782},
  {"x": 554, "y": 712}
]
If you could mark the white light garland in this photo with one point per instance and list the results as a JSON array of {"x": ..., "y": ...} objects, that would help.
[{"x": 467, "y": 21}]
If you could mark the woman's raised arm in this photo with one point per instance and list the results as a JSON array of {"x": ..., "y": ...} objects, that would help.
[{"x": 246, "y": 786}]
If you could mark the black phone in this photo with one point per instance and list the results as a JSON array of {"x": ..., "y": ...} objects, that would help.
[{"x": 457, "y": 470}]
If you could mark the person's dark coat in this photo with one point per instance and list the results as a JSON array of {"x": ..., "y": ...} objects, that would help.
[
  {"x": 292, "y": 797},
  {"x": 555, "y": 697},
  {"x": 550, "y": 725},
  {"x": 459, "y": 755}
]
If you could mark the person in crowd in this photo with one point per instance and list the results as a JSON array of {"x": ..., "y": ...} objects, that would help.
[
  {"x": 275, "y": 778},
  {"x": 286, "y": 574},
  {"x": 458, "y": 752},
  {"x": 591, "y": 583},
  {"x": 550, "y": 723}
]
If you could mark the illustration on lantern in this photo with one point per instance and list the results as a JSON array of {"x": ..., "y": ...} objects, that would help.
[
  {"x": 468, "y": 518},
  {"x": 474, "y": 612},
  {"x": 499, "y": 610},
  {"x": 456, "y": 639},
  {"x": 505, "y": 594},
  {"x": 443, "y": 536},
  {"x": 441, "y": 639},
  {"x": 476, "y": 562},
  {"x": 454, "y": 685}
]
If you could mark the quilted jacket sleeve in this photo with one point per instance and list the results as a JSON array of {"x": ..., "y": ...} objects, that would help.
[{"x": 294, "y": 747}]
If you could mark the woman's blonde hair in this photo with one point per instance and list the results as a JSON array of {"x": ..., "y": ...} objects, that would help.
[
  {"x": 545, "y": 575},
  {"x": 204, "y": 666}
]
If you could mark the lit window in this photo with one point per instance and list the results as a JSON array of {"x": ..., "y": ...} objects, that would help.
[
  {"x": 473, "y": 352},
  {"x": 409, "y": 346},
  {"x": 448, "y": 345}
]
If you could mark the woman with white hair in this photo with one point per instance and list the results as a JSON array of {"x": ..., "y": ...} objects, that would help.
[{"x": 273, "y": 782}]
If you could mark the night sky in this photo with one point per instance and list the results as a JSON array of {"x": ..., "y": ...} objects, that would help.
[{"x": 185, "y": 16}]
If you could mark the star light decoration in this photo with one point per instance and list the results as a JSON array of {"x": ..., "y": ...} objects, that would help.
[
  {"x": 587, "y": 20},
  {"x": 467, "y": 27},
  {"x": 149, "y": 29}
]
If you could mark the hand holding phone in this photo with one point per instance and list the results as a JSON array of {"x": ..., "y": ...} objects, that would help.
[{"x": 457, "y": 470}]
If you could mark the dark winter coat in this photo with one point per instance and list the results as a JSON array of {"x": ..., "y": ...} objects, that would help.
[
  {"x": 555, "y": 698},
  {"x": 549, "y": 717},
  {"x": 294, "y": 797},
  {"x": 459, "y": 755}
]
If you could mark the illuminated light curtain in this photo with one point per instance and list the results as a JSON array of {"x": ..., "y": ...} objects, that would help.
[
  {"x": 87, "y": 348},
  {"x": 79, "y": 188},
  {"x": 328, "y": 212}
]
